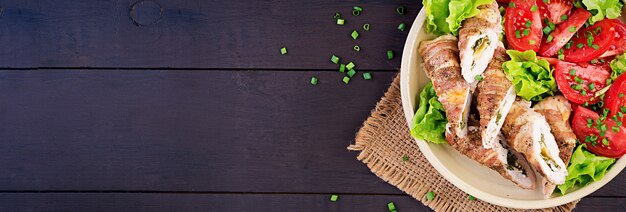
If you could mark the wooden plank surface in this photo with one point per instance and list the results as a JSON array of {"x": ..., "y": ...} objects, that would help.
[
  {"x": 199, "y": 34},
  {"x": 234, "y": 202},
  {"x": 209, "y": 131},
  {"x": 184, "y": 131}
]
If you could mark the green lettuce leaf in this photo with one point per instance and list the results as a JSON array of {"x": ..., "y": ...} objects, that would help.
[
  {"x": 461, "y": 10},
  {"x": 429, "y": 122},
  {"x": 584, "y": 168},
  {"x": 436, "y": 13},
  {"x": 532, "y": 78},
  {"x": 603, "y": 8},
  {"x": 445, "y": 16},
  {"x": 618, "y": 66}
]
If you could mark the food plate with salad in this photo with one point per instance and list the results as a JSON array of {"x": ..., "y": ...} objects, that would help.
[{"x": 520, "y": 103}]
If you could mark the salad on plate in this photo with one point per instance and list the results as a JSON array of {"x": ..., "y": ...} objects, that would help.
[{"x": 532, "y": 89}]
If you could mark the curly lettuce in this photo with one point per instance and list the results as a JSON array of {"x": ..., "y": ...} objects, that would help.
[
  {"x": 603, "y": 8},
  {"x": 618, "y": 66},
  {"x": 532, "y": 78},
  {"x": 584, "y": 168},
  {"x": 445, "y": 16},
  {"x": 429, "y": 122}
]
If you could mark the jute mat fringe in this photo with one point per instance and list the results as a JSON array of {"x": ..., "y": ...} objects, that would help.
[{"x": 383, "y": 141}]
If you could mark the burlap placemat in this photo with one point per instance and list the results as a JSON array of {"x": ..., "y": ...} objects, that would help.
[{"x": 384, "y": 140}]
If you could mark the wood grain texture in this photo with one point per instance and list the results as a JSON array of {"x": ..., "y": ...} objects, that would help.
[
  {"x": 199, "y": 34},
  {"x": 244, "y": 131},
  {"x": 234, "y": 202},
  {"x": 202, "y": 202}
]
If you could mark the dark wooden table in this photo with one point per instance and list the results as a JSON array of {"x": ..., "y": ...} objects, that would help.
[{"x": 189, "y": 106}]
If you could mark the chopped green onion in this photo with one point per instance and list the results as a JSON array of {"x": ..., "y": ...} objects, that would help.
[
  {"x": 549, "y": 39},
  {"x": 592, "y": 86},
  {"x": 357, "y": 8},
  {"x": 283, "y": 50},
  {"x": 340, "y": 21},
  {"x": 366, "y": 27},
  {"x": 620, "y": 95},
  {"x": 578, "y": 79},
  {"x": 354, "y": 34},
  {"x": 551, "y": 25},
  {"x": 430, "y": 195},
  {"x": 478, "y": 77},
  {"x": 572, "y": 29},
  {"x": 528, "y": 23},
  {"x": 577, "y": 87},
  {"x": 401, "y": 10},
  {"x": 351, "y": 73},
  {"x": 471, "y": 198},
  {"x": 546, "y": 1},
  {"x": 334, "y": 59},
  {"x": 594, "y": 61},
  {"x": 313, "y": 80},
  {"x": 615, "y": 129},
  {"x": 563, "y": 17},
  {"x": 337, "y": 15},
  {"x": 534, "y": 8},
  {"x": 401, "y": 27},
  {"x": 391, "y": 206},
  {"x": 517, "y": 34},
  {"x": 605, "y": 141},
  {"x": 622, "y": 109},
  {"x": 568, "y": 45},
  {"x": 356, "y": 12},
  {"x": 547, "y": 30},
  {"x": 594, "y": 46},
  {"x": 350, "y": 66},
  {"x": 532, "y": 42},
  {"x": 580, "y": 45},
  {"x": 342, "y": 68},
  {"x": 346, "y": 80},
  {"x": 512, "y": 5},
  {"x": 367, "y": 76},
  {"x": 561, "y": 57},
  {"x": 389, "y": 54},
  {"x": 405, "y": 158},
  {"x": 572, "y": 72},
  {"x": 334, "y": 197},
  {"x": 356, "y": 48},
  {"x": 526, "y": 32},
  {"x": 583, "y": 92}
]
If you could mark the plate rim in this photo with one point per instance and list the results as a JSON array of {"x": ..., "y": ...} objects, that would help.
[{"x": 410, "y": 48}]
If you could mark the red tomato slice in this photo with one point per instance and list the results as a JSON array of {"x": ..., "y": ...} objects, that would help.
[
  {"x": 615, "y": 100},
  {"x": 613, "y": 146},
  {"x": 602, "y": 33},
  {"x": 558, "y": 8},
  {"x": 519, "y": 36},
  {"x": 580, "y": 86},
  {"x": 543, "y": 8},
  {"x": 618, "y": 46},
  {"x": 564, "y": 32}
]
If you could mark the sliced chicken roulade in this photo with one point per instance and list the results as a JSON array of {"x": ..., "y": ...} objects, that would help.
[
  {"x": 478, "y": 39},
  {"x": 494, "y": 96},
  {"x": 441, "y": 64},
  {"x": 557, "y": 111},
  {"x": 507, "y": 162},
  {"x": 528, "y": 132}
]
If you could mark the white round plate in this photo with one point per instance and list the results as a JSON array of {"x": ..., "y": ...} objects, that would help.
[{"x": 464, "y": 173}]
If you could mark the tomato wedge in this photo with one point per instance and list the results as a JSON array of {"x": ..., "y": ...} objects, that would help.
[
  {"x": 587, "y": 127},
  {"x": 558, "y": 9},
  {"x": 518, "y": 15},
  {"x": 615, "y": 100},
  {"x": 580, "y": 82},
  {"x": 563, "y": 32},
  {"x": 590, "y": 42},
  {"x": 618, "y": 46}
]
